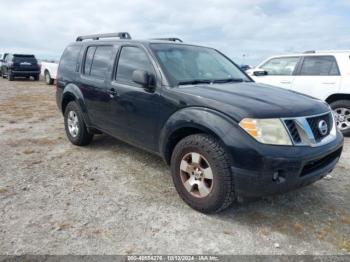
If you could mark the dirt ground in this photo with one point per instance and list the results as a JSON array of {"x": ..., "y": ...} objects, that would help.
[{"x": 112, "y": 198}]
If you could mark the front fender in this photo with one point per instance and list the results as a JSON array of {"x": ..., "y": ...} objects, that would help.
[{"x": 207, "y": 120}]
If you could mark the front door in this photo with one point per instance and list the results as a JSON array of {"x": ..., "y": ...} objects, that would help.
[
  {"x": 279, "y": 72},
  {"x": 134, "y": 107}
]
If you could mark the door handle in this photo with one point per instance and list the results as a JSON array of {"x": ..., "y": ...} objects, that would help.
[
  {"x": 285, "y": 82},
  {"x": 328, "y": 83}
]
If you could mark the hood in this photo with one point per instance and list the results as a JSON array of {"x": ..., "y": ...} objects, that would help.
[{"x": 250, "y": 99}]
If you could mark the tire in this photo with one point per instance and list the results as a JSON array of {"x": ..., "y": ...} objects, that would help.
[
  {"x": 10, "y": 76},
  {"x": 36, "y": 77},
  {"x": 48, "y": 79},
  {"x": 212, "y": 155},
  {"x": 342, "y": 114},
  {"x": 81, "y": 137}
]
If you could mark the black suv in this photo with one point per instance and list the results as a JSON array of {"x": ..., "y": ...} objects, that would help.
[
  {"x": 224, "y": 136},
  {"x": 20, "y": 65}
]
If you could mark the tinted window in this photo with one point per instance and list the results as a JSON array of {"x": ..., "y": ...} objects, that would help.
[
  {"x": 101, "y": 61},
  {"x": 281, "y": 66},
  {"x": 88, "y": 59},
  {"x": 319, "y": 65},
  {"x": 69, "y": 58},
  {"x": 131, "y": 59},
  {"x": 17, "y": 59}
]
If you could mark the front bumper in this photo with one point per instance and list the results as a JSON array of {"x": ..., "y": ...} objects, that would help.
[{"x": 282, "y": 168}]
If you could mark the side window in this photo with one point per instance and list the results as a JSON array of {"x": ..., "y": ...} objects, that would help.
[
  {"x": 88, "y": 59},
  {"x": 281, "y": 66},
  {"x": 69, "y": 58},
  {"x": 132, "y": 58},
  {"x": 319, "y": 66},
  {"x": 101, "y": 61}
]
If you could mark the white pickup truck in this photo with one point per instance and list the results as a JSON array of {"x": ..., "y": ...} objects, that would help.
[{"x": 49, "y": 71}]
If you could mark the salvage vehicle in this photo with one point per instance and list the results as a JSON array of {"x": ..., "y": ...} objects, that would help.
[
  {"x": 20, "y": 65},
  {"x": 49, "y": 71},
  {"x": 321, "y": 74},
  {"x": 225, "y": 137}
]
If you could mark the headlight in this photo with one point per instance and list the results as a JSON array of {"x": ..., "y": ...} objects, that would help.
[{"x": 266, "y": 131}]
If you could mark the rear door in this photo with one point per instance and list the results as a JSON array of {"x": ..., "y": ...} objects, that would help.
[
  {"x": 317, "y": 76},
  {"x": 96, "y": 69},
  {"x": 279, "y": 71}
]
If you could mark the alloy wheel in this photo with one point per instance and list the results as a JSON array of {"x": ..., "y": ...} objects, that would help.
[
  {"x": 196, "y": 175},
  {"x": 73, "y": 123},
  {"x": 342, "y": 118}
]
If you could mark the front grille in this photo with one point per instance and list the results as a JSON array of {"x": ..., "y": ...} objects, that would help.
[
  {"x": 293, "y": 131},
  {"x": 314, "y": 165},
  {"x": 314, "y": 122},
  {"x": 306, "y": 131}
]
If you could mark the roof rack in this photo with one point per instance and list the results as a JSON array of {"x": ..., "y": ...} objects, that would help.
[
  {"x": 121, "y": 35},
  {"x": 172, "y": 39},
  {"x": 310, "y": 52}
]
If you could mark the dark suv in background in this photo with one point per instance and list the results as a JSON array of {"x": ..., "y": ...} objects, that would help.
[
  {"x": 224, "y": 136},
  {"x": 20, "y": 65}
]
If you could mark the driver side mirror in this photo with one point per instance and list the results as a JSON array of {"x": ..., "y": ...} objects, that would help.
[
  {"x": 260, "y": 72},
  {"x": 144, "y": 78}
]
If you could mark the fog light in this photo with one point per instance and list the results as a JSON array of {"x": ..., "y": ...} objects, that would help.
[{"x": 278, "y": 176}]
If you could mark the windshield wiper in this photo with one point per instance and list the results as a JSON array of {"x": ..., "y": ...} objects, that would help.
[
  {"x": 228, "y": 80},
  {"x": 195, "y": 82}
]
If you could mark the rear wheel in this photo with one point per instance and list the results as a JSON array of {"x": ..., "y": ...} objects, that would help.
[
  {"x": 341, "y": 109},
  {"x": 36, "y": 77},
  {"x": 48, "y": 79},
  {"x": 75, "y": 126},
  {"x": 201, "y": 173}
]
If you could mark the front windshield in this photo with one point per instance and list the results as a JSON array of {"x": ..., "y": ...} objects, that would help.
[{"x": 185, "y": 64}]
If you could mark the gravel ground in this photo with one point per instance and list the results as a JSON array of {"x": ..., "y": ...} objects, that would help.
[{"x": 112, "y": 198}]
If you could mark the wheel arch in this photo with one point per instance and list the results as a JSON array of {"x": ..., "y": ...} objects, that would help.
[
  {"x": 336, "y": 97},
  {"x": 73, "y": 93},
  {"x": 191, "y": 121}
]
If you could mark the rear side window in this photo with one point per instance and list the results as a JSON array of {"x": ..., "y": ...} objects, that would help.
[
  {"x": 69, "y": 58},
  {"x": 131, "y": 59},
  {"x": 319, "y": 66},
  {"x": 99, "y": 60},
  {"x": 280, "y": 66}
]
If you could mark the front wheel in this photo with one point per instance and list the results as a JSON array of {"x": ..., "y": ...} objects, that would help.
[
  {"x": 75, "y": 126},
  {"x": 341, "y": 109},
  {"x": 201, "y": 173}
]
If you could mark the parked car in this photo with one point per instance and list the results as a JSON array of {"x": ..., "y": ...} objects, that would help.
[
  {"x": 245, "y": 67},
  {"x": 224, "y": 136},
  {"x": 321, "y": 74},
  {"x": 49, "y": 71},
  {"x": 20, "y": 65},
  {"x": 2, "y": 59}
]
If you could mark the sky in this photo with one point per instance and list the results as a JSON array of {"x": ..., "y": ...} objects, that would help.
[{"x": 248, "y": 31}]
